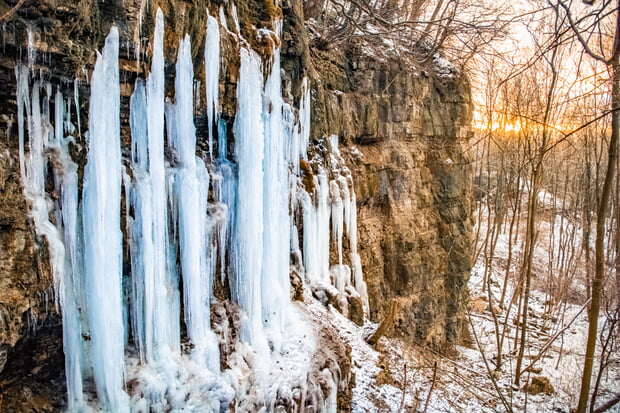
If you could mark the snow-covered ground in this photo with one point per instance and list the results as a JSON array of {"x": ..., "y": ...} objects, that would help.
[{"x": 394, "y": 376}]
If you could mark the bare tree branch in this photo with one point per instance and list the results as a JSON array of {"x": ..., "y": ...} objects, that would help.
[{"x": 7, "y": 16}]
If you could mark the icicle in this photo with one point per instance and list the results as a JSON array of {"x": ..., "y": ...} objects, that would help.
[
  {"x": 32, "y": 53},
  {"x": 58, "y": 117},
  {"x": 192, "y": 187},
  {"x": 233, "y": 7},
  {"x": 304, "y": 120},
  {"x": 23, "y": 104},
  {"x": 249, "y": 226},
  {"x": 102, "y": 235},
  {"x": 76, "y": 96},
  {"x": 212, "y": 76},
  {"x": 316, "y": 230},
  {"x": 223, "y": 18},
  {"x": 276, "y": 234}
]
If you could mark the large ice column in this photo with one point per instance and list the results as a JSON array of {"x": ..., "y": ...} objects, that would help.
[
  {"x": 195, "y": 229},
  {"x": 165, "y": 310},
  {"x": 225, "y": 194},
  {"x": 212, "y": 75},
  {"x": 102, "y": 234},
  {"x": 223, "y": 180},
  {"x": 141, "y": 240},
  {"x": 247, "y": 245},
  {"x": 276, "y": 234},
  {"x": 156, "y": 308}
]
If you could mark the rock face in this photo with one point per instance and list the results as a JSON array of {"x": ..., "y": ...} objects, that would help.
[
  {"x": 411, "y": 174},
  {"x": 409, "y": 125}
]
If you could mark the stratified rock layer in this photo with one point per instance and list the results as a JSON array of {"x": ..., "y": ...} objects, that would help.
[{"x": 410, "y": 127}]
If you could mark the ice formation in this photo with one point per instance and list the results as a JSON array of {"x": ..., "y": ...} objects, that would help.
[
  {"x": 192, "y": 219},
  {"x": 155, "y": 309}
]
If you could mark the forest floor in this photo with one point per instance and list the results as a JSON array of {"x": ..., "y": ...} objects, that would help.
[{"x": 396, "y": 377}]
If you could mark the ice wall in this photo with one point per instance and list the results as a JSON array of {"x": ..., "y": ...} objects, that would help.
[{"x": 145, "y": 337}]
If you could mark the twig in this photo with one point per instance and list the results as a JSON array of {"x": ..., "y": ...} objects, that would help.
[
  {"x": 430, "y": 391},
  {"x": 555, "y": 336},
  {"x": 608, "y": 405},
  {"x": 402, "y": 400},
  {"x": 486, "y": 364},
  {"x": 6, "y": 16}
]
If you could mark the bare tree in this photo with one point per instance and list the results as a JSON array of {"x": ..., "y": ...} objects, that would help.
[
  {"x": 459, "y": 28},
  {"x": 591, "y": 30}
]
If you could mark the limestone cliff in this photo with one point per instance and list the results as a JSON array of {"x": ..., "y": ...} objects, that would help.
[
  {"x": 403, "y": 130},
  {"x": 409, "y": 124}
]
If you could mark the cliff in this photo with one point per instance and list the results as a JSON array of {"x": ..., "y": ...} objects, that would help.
[
  {"x": 406, "y": 126},
  {"x": 402, "y": 128}
]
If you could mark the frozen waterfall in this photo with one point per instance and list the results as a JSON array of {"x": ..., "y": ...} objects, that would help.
[{"x": 166, "y": 252}]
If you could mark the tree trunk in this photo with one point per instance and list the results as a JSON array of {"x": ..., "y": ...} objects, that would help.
[{"x": 599, "y": 247}]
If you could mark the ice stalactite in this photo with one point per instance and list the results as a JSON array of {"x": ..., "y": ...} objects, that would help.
[
  {"x": 212, "y": 76},
  {"x": 247, "y": 248},
  {"x": 155, "y": 310},
  {"x": 102, "y": 232},
  {"x": 276, "y": 232},
  {"x": 49, "y": 148},
  {"x": 334, "y": 201},
  {"x": 195, "y": 229}
]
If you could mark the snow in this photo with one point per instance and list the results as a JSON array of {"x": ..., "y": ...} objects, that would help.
[
  {"x": 562, "y": 364},
  {"x": 443, "y": 67},
  {"x": 395, "y": 375}
]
